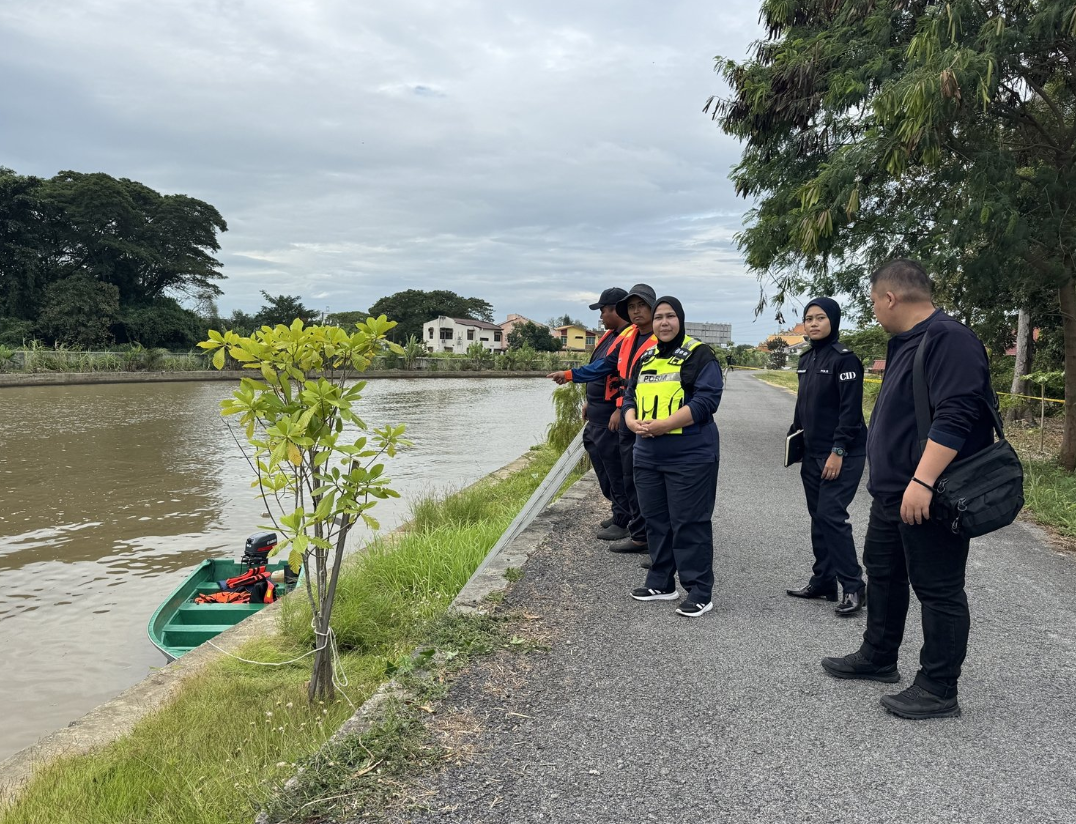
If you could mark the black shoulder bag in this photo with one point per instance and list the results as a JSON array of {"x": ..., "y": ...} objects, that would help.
[{"x": 980, "y": 493}]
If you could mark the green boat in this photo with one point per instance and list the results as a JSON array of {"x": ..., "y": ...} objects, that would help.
[{"x": 179, "y": 624}]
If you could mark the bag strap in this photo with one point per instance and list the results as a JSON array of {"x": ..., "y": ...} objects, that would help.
[{"x": 922, "y": 399}]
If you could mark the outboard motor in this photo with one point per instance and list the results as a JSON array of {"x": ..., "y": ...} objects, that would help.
[{"x": 257, "y": 549}]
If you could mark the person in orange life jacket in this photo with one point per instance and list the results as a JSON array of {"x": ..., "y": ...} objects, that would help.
[
  {"x": 602, "y": 417},
  {"x": 637, "y": 307},
  {"x": 669, "y": 404},
  {"x": 904, "y": 545},
  {"x": 829, "y": 410}
]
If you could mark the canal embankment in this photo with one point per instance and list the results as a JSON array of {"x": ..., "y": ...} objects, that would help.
[
  {"x": 112, "y": 492},
  {"x": 411, "y": 573}
]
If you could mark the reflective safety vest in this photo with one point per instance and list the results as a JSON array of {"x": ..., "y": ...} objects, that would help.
[
  {"x": 658, "y": 391},
  {"x": 625, "y": 363}
]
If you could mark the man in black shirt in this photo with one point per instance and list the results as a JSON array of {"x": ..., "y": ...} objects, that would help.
[
  {"x": 600, "y": 436},
  {"x": 903, "y": 545}
]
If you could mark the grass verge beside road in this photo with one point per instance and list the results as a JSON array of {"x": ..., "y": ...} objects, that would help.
[
  {"x": 1049, "y": 490},
  {"x": 221, "y": 750}
]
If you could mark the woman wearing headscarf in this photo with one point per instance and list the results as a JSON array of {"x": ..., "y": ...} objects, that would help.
[
  {"x": 829, "y": 410},
  {"x": 669, "y": 404}
]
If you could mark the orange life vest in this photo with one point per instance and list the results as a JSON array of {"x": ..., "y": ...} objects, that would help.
[
  {"x": 625, "y": 363},
  {"x": 612, "y": 382}
]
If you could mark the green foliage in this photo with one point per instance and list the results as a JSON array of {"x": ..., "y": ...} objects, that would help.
[
  {"x": 15, "y": 331},
  {"x": 161, "y": 323},
  {"x": 93, "y": 227},
  {"x": 942, "y": 132},
  {"x": 1050, "y": 493},
  {"x": 868, "y": 343},
  {"x": 412, "y": 308},
  {"x": 568, "y": 403},
  {"x": 316, "y": 462},
  {"x": 79, "y": 311},
  {"x": 538, "y": 338},
  {"x": 282, "y": 309},
  {"x": 412, "y": 351},
  {"x": 479, "y": 356},
  {"x": 346, "y": 320}
]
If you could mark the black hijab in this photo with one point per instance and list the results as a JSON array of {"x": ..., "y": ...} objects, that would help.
[
  {"x": 833, "y": 312},
  {"x": 666, "y": 349}
]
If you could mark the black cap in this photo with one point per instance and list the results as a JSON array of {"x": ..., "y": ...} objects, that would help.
[
  {"x": 639, "y": 290},
  {"x": 610, "y": 297}
]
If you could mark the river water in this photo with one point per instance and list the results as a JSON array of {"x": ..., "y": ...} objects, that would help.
[{"x": 108, "y": 493}]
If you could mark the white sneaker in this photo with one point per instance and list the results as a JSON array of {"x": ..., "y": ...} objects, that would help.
[{"x": 691, "y": 609}]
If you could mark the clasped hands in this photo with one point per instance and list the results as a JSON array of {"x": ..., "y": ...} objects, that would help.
[{"x": 650, "y": 428}]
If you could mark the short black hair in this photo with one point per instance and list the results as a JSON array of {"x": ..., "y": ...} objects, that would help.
[{"x": 907, "y": 277}]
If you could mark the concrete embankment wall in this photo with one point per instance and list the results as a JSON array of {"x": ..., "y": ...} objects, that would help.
[
  {"x": 77, "y": 378},
  {"x": 116, "y": 718}
]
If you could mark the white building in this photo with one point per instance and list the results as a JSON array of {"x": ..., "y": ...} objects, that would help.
[
  {"x": 715, "y": 334},
  {"x": 456, "y": 334}
]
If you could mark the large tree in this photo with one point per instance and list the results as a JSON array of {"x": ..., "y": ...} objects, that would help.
[
  {"x": 414, "y": 307},
  {"x": 283, "y": 309},
  {"x": 945, "y": 132}
]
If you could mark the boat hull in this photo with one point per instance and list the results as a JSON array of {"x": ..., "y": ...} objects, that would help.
[{"x": 179, "y": 625}]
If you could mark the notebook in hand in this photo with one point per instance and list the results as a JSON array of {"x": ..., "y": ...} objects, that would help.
[{"x": 794, "y": 448}]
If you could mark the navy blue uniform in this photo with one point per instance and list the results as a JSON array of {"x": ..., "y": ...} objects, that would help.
[
  {"x": 676, "y": 481},
  {"x": 602, "y": 444},
  {"x": 829, "y": 410},
  {"x": 927, "y": 556}
]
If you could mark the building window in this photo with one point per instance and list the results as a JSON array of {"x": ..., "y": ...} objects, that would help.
[
  {"x": 497, "y": 337},
  {"x": 470, "y": 334},
  {"x": 446, "y": 334},
  {"x": 590, "y": 340},
  {"x": 431, "y": 332}
]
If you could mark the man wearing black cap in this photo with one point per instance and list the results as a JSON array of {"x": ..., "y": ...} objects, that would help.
[
  {"x": 602, "y": 417},
  {"x": 637, "y": 307}
]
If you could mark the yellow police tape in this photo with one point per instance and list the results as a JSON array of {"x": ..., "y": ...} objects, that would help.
[{"x": 879, "y": 380}]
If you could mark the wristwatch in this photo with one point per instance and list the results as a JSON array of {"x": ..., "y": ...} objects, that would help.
[{"x": 838, "y": 451}]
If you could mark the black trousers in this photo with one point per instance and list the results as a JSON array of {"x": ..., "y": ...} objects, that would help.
[
  {"x": 636, "y": 523},
  {"x": 603, "y": 447},
  {"x": 933, "y": 561},
  {"x": 831, "y": 533},
  {"x": 678, "y": 503}
]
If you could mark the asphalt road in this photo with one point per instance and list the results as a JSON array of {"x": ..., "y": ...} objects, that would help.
[{"x": 637, "y": 714}]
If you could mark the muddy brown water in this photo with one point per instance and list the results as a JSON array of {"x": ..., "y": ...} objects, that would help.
[{"x": 110, "y": 493}]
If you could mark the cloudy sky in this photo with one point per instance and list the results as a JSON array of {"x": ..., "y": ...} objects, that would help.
[{"x": 527, "y": 153}]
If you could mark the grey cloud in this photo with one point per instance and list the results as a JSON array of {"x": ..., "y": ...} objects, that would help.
[{"x": 520, "y": 153}]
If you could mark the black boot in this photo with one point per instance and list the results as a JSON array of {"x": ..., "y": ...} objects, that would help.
[
  {"x": 851, "y": 603},
  {"x": 815, "y": 591}
]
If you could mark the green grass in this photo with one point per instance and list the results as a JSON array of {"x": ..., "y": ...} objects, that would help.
[
  {"x": 218, "y": 753},
  {"x": 1050, "y": 495}
]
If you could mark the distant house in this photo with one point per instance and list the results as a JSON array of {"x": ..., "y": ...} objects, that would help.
[
  {"x": 878, "y": 367},
  {"x": 513, "y": 321},
  {"x": 791, "y": 337},
  {"x": 446, "y": 334},
  {"x": 1011, "y": 351},
  {"x": 576, "y": 338}
]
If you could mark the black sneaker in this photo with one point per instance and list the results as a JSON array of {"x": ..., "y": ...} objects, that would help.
[
  {"x": 917, "y": 703},
  {"x": 857, "y": 666},
  {"x": 628, "y": 545},
  {"x": 647, "y": 594},
  {"x": 613, "y": 533},
  {"x": 693, "y": 609},
  {"x": 607, "y": 522}
]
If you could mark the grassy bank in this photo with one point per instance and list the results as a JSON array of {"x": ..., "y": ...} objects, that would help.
[
  {"x": 1049, "y": 490},
  {"x": 220, "y": 751}
]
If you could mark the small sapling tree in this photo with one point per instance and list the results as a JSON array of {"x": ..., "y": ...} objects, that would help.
[{"x": 316, "y": 462}]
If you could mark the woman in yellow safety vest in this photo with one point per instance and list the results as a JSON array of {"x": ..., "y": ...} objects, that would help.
[{"x": 669, "y": 404}]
